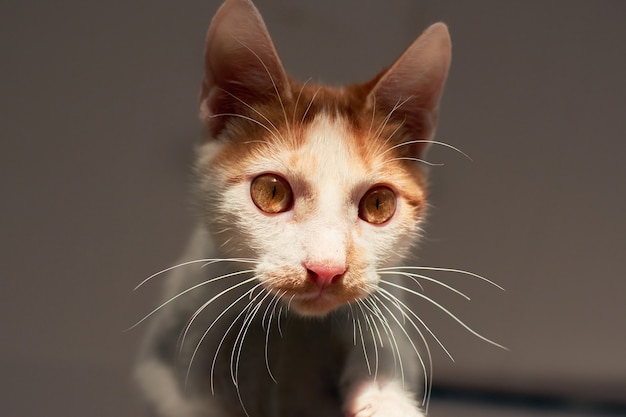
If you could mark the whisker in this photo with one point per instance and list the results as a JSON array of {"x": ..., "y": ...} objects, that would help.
[
  {"x": 226, "y": 242},
  {"x": 241, "y": 260},
  {"x": 430, "y": 141},
  {"x": 392, "y": 134},
  {"x": 395, "y": 342},
  {"x": 423, "y": 161},
  {"x": 243, "y": 332},
  {"x": 245, "y": 326},
  {"x": 273, "y": 301},
  {"x": 445, "y": 310},
  {"x": 397, "y": 305},
  {"x": 353, "y": 317},
  {"x": 433, "y": 268},
  {"x": 414, "y": 277},
  {"x": 195, "y": 261},
  {"x": 249, "y": 318},
  {"x": 419, "y": 357},
  {"x": 206, "y": 332},
  {"x": 206, "y": 304},
  {"x": 428, "y": 377},
  {"x": 372, "y": 314},
  {"x": 180, "y": 294},
  {"x": 405, "y": 274},
  {"x": 219, "y": 346},
  {"x": 295, "y": 107},
  {"x": 383, "y": 124},
  {"x": 309, "y": 106},
  {"x": 248, "y": 118},
  {"x": 253, "y": 109},
  {"x": 388, "y": 117},
  {"x": 280, "y": 314},
  {"x": 369, "y": 324},
  {"x": 402, "y": 307},
  {"x": 367, "y": 361},
  {"x": 386, "y": 327},
  {"x": 266, "y": 312},
  {"x": 269, "y": 74},
  {"x": 373, "y": 115}
]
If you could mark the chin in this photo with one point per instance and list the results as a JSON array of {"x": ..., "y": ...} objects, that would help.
[
  {"x": 320, "y": 305},
  {"x": 314, "y": 307}
]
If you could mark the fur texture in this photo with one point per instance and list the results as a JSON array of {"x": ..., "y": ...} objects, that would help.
[{"x": 289, "y": 311}]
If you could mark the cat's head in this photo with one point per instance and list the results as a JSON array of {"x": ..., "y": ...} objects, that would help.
[{"x": 321, "y": 186}]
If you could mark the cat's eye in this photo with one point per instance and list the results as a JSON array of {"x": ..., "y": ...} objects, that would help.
[
  {"x": 378, "y": 205},
  {"x": 271, "y": 193}
]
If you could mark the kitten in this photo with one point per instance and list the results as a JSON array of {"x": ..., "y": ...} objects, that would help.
[{"x": 310, "y": 197}]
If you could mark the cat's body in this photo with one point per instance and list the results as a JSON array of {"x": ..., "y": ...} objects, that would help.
[{"x": 307, "y": 194}]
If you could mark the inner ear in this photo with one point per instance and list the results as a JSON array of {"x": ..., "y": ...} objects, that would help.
[
  {"x": 241, "y": 65},
  {"x": 410, "y": 90}
]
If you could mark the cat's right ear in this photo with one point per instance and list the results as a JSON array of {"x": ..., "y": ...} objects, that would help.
[
  {"x": 411, "y": 88},
  {"x": 241, "y": 65}
]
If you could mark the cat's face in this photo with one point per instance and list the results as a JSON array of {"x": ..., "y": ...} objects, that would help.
[
  {"x": 319, "y": 209},
  {"x": 320, "y": 186}
]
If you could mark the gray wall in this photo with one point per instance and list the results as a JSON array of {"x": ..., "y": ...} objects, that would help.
[{"x": 97, "y": 124}]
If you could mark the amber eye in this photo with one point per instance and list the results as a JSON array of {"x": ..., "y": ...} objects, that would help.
[
  {"x": 271, "y": 193},
  {"x": 377, "y": 205}
]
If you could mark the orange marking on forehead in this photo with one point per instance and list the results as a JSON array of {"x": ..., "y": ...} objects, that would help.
[{"x": 265, "y": 130}]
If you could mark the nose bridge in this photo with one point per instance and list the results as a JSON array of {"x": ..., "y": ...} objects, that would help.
[
  {"x": 332, "y": 242},
  {"x": 327, "y": 230},
  {"x": 325, "y": 242}
]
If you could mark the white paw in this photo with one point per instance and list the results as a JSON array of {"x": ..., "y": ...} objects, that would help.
[{"x": 372, "y": 400}]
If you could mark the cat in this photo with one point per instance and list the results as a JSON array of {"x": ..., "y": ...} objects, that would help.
[{"x": 290, "y": 299}]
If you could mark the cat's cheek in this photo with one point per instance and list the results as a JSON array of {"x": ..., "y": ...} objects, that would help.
[
  {"x": 378, "y": 238},
  {"x": 389, "y": 243}
]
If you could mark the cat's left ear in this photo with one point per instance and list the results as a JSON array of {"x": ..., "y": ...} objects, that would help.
[{"x": 410, "y": 90}]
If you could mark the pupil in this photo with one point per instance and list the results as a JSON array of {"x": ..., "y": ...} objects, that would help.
[
  {"x": 273, "y": 192},
  {"x": 377, "y": 203}
]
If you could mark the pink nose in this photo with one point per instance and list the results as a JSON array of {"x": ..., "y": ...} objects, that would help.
[{"x": 324, "y": 274}]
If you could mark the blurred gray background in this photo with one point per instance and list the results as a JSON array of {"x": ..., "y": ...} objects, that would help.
[{"x": 97, "y": 126}]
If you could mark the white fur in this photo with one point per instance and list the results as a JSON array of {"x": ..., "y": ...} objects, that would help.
[{"x": 284, "y": 242}]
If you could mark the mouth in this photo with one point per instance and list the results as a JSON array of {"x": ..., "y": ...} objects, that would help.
[
  {"x": 313, "y": 305},
  {"x": 320, "y": 302}
]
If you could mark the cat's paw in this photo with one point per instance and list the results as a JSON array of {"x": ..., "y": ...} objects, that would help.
[{"x": 373, "y": 400}]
